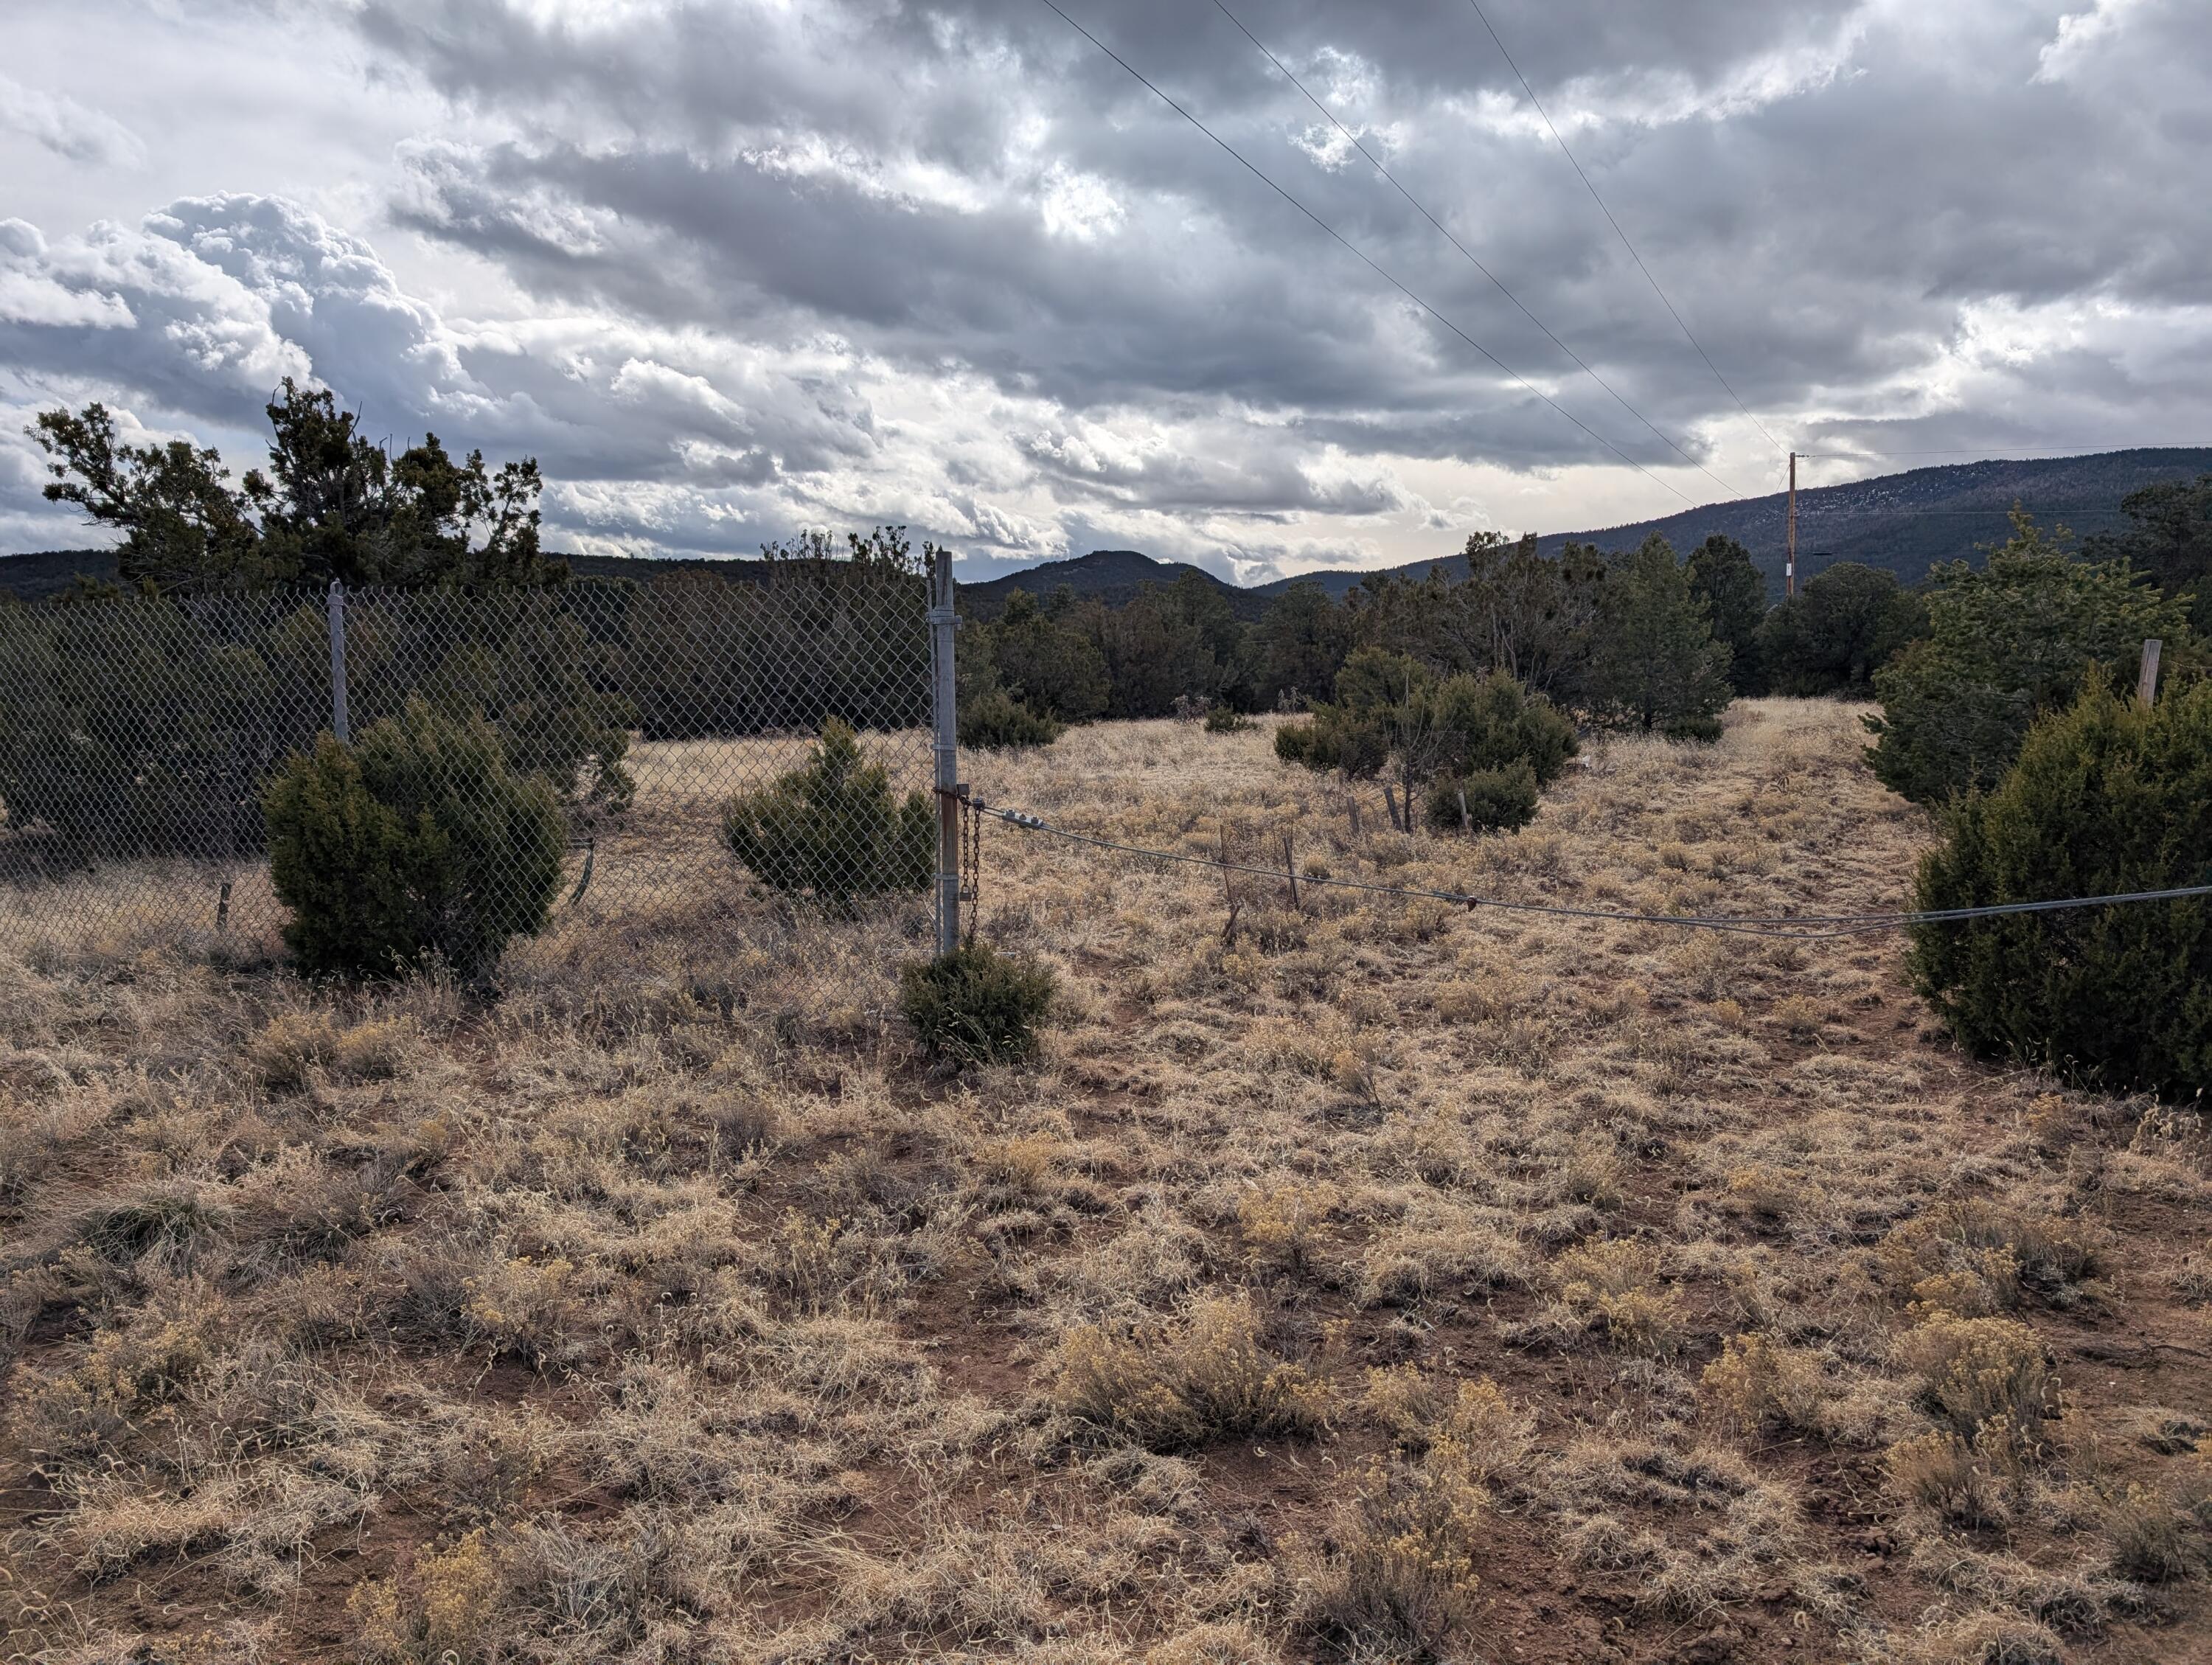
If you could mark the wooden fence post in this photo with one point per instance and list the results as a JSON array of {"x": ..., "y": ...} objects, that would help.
[{"x": 2146, "y": 683}]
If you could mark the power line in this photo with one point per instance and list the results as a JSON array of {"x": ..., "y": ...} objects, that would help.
[
  {"x": 1496, "y": 282},
  {"x": 1615, "y": 224},
  {"x": 1353, "y": 248},
  {"x": 1797, "y": 927}
]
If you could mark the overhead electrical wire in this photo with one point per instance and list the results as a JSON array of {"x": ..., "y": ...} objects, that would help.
[
  {"x": 1801, "y": 927},
  {"x": 1617, "y": 230},
  {"x": 1357, "y": 252},
  {"x": 1497, "y": 282}
]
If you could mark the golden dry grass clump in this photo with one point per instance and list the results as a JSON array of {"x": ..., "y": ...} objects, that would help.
[{"x": 1350, "y": 1277}]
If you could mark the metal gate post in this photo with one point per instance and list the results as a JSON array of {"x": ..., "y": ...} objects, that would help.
[
  {"x": 339, "y": 724},
  {"x": 945, "y": 728}
]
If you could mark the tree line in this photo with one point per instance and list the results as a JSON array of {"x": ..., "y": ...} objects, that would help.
[{"x": 1644, "y": 638}]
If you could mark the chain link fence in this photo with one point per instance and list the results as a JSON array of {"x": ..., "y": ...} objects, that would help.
[{"x": 676, "y": 740}]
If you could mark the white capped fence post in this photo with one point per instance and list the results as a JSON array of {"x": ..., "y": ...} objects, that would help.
[
  {"x": 339, "y": 724},
  {"x": 944, "y": 723}
]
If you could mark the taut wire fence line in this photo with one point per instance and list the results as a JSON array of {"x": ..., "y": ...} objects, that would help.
[
  {"x": 1801, "y": 927},
  {"x": 781, "y": 730}
]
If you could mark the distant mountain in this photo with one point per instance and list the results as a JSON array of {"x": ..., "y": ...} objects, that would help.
[
  {"x": 1906, "y": 522},
  {"x": 43, "y": 573},
  {"x": 1114, "y": 575}
]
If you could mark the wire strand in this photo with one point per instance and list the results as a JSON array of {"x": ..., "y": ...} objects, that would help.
[
  {"x": 1357, "y": 252},
  {"x": 1617, "y": 231},
  {"x": 1497, "y": 282},
  {"x": 1802, "y": 927}
]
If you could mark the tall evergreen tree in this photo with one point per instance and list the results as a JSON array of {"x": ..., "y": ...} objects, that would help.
[
  {"x": 1841, "y": 627},
  {"x": 332, "y": 504},
  {"x": 1656, "y": 666},
  {"x": 1735, "y": 596},
  {"x": 1301, "y": 643},
  {"x": 1043, "y": 662}
]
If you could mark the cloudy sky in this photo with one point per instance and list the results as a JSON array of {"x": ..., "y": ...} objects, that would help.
[{"x": 730, "y": 268}]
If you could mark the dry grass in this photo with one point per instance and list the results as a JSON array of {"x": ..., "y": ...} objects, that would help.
[{"x": 1371, "y": 1280}]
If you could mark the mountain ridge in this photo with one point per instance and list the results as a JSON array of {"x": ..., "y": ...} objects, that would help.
[{"x": 1906, "y": 522}]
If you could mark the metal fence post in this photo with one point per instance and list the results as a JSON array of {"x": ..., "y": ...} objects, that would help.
[
  {"x": 943, "y": 717},
  {"x": 339, "y": 725}
]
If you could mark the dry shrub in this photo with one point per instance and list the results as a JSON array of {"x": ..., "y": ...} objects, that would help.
[
  {"x": 1180, "y": 1382},
  {"x": 1399, "y": 1581},
  {"x": 1989, "y": 1638},
  {"x": 1974, "y": 1257},
  {"x": 1281, "y": 1221},
  {"x": 1615, "y": 1283},
  {"x": 294, "y": 1048},
  {"x": 2074, "y": 1600},
  {"x": 300, "y": 1206},
  {"x": 1940, "y": 1471},
  {"x": 1758, "y": 1382},
  {"x": 1762, "y": 1192},
  {"x": 1218, "y": 1643},
  {"x": 165, "y": 1226},
  {"x": 1800, "y": 1016},
  {"x": 811, "y": 1259},
  {"x": 1437, "y": 1248},
  {"x": 1970, "y": 1371},
  {"x": 2150, "y": 1534},
  {"x": 442, "y": 1610},
  {"x": 1485, "y": 1434},
  {"x": 1017, "y": 1171},
  {"x": 79, "y": 1414},
  {"x": 517, "y": 1306},
  {"x": 1594, "y": 1171}
]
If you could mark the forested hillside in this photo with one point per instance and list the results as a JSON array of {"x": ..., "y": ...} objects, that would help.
[{"x": 1902, "y": 522}]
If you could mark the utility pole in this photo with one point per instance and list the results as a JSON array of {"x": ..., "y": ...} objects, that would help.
[{"x": 1789, "y": 561}]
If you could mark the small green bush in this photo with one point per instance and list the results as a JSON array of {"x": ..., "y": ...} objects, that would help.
[
  {"x": 418, "y": 842},
  {"x": 997, "y": 721},
  {"x": 2106, "y": 797},
  {"x": 973, "y": 1006},
  {"x": 833, "y": 830},
  {"x": 1702, "y": 726},
  {"x": 1497, "y": 799},
  {"x": 1221, "y": 719},
  {"x": 1392, "y": 714}
]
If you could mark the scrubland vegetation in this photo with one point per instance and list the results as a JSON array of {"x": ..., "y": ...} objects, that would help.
[{"x": 1342, "y": 1279}]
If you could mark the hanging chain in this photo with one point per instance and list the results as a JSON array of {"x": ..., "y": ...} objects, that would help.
[{"x": 971, "y": 864}]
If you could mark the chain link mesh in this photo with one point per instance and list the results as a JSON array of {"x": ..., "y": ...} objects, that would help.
[{"x": 587, "y": 751}]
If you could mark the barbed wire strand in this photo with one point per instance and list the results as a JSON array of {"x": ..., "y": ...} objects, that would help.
[{"x": 1801, "y": 928}]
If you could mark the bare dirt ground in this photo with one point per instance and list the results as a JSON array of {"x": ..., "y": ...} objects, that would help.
[{"x": 1371, "y": 1280}]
